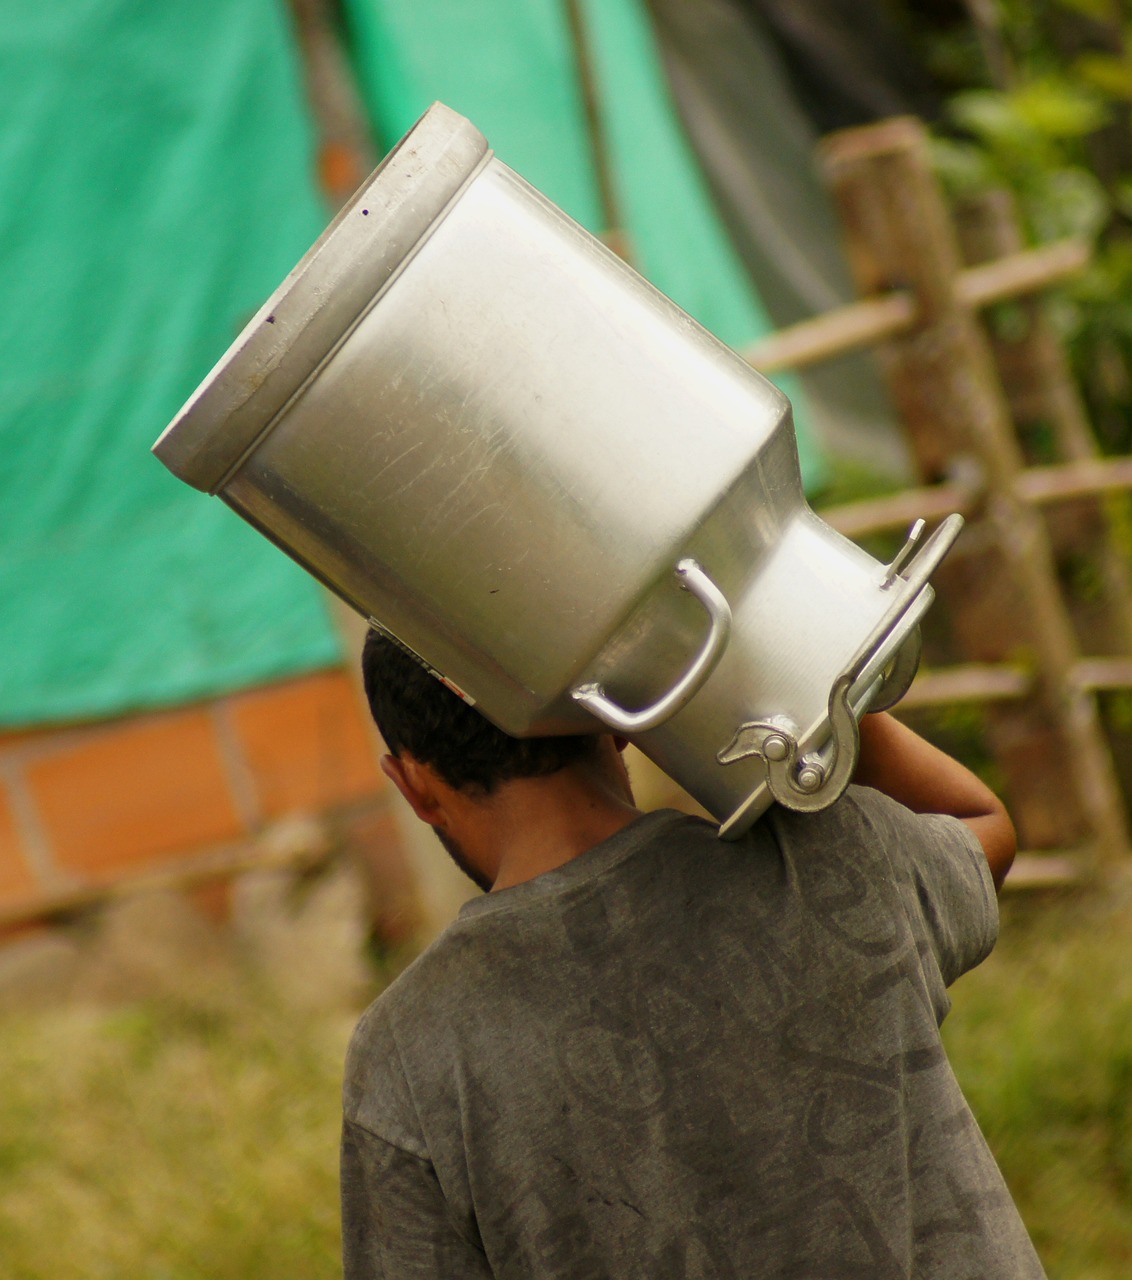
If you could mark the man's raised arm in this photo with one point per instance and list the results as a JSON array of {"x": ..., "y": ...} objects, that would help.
[{"x": 898, "y": 762}]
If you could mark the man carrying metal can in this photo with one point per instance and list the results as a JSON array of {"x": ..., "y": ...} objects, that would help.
[{"x": 647, "y": 1052}]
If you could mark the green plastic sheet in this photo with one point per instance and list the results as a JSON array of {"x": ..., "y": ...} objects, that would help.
[
  {"x": 509, "y": 66},
  {"x": 155, "y": 185}
]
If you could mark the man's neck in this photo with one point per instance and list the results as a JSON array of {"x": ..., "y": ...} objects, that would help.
[
  {"x": 539, "y": 827},
  {"x": 528, "y": 826}
]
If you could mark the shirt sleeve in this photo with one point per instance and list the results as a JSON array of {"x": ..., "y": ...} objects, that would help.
[
  {"x": 945, "y": 883},
  {"x": 395, "y": 1222}
]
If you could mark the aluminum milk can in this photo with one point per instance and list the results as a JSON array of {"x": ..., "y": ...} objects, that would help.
[{"x": 504, "y": 448}]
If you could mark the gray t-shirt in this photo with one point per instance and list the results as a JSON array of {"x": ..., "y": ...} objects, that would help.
[{"x": 681, "y": 1058}]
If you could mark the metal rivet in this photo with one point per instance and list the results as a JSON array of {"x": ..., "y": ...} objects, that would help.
[
  {"x": 775, "y": 747},
  {"x": 810, "y": 777}
]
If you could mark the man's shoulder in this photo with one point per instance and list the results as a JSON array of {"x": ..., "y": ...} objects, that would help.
[
  {"x": 409, "y": 1016},
  {"x": 939, "y": 870},
  {"x": 870, "y": 820},
  {"x": 440, "y": 975},
  {"x": 492, "y": 960}
]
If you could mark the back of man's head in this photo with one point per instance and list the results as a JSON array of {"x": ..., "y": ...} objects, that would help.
[{"x": 417, "y": 714}]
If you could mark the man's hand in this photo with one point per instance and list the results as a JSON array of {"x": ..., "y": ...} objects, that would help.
[{"x": 924, "y": 779}]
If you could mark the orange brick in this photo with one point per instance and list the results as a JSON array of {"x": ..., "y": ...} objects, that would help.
[
  {"x": 306, "y": 743},
  {"x": 17, "y": 880},
  {"x": 138, "y": 790}
]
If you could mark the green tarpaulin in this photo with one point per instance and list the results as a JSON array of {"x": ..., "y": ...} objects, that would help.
[
  {"x": 155, "y": 184},
  {"x": 509, "y": 67}
]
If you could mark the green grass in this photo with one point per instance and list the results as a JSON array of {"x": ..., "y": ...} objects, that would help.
[
  {"x": 1041, "y": 1040},
  {"x": 195, "y": 1137},
  {"x": 164, "y": 1142}
]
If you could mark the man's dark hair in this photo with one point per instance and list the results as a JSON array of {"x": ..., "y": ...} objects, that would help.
[{"x": 416, "y": 713}]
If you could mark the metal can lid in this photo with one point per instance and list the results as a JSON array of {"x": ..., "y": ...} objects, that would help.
[{"x": 322, "y": 299}]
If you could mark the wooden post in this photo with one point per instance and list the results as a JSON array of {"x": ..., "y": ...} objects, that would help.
[
  {"x": 1041, "y": 392},
  {"x": 1001, "y": 586},
  {"x": 346, "y": 152},
  {"x": 614, "y": 233}
]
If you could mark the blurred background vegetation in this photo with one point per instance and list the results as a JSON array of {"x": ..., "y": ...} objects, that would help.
[
  {"x": 191, "y": 1133},
  {"x": 1041, "y": 1040},
  {"x": 1037, "y": 97}
]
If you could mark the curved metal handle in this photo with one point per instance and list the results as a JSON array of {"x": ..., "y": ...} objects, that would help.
[
  {"x": 818, "y": 779},
  {"x": 804, "y": 783},
  {"x": 592, "y": 696}
]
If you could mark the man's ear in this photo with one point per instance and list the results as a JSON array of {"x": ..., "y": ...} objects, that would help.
[{"x": 416, "y": 783}]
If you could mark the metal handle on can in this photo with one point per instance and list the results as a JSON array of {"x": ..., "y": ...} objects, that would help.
[{"x": 592, "y": 696}]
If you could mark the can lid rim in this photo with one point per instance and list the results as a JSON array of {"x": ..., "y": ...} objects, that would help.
[{"x": 322, "y": 298}]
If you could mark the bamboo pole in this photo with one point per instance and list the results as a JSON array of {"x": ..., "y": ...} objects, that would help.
[
  {"x": 299, "y": 847},
  {"x": 900, "y": 510},
  {"x": 1097, "y": 674},
  {"x": 1033, "y": 871},
  {"x": 888, "y": 315},
  {"x": 346, "y": 145},
  {"x": 1037, "y": 486},
  {"x": 1043, "y": 485},
  {"x": 1002, "y": 682},
  {"x": 834, "y": 333},
  {"x": 1021, "y": 272},
  {"x": 615, "y": 234},
  {"x": 972, "y": 682},
  {"x": 1042, "y": 393},
  {"x": 346, "y": 156}
]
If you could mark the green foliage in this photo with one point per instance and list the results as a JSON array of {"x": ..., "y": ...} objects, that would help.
[
  {"x": 961, "y": 731},
  {"x": 1052, "y": 136},
  {"x": 1041, "y": 1041},
  {"x": 1034, "y": 117},
  {"x": 1110, "y": 75},
  {"x": 847, "y": 480},
  {"x": 1118, "y": 708},
  {"x": 1024, "y": 139},
  {"x": 1098, "y": 10}
]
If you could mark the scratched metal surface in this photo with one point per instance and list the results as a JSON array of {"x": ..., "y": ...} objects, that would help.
[
  {"x": 514, "y": 447},
  {"x": 503, "y": 454}
]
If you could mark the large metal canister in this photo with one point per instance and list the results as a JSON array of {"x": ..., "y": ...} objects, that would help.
[{"x": 499, "y": 444}]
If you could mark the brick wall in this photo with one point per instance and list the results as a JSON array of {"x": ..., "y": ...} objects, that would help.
[{"x": 85, "y": 805}]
